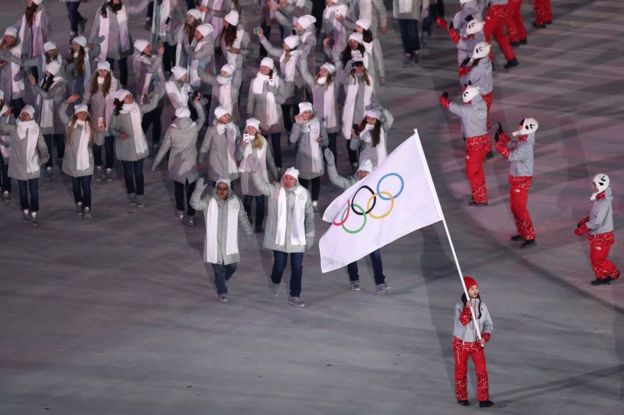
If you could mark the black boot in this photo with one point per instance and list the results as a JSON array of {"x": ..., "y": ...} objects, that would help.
[
  {"x": 464, "y": 402},
  {"x": 601, "y": 281},
  {"x": 516, "y": 238},
  {"x": 511, "y": 63},
  {"x": 473, "y": 203},
  {"x": 486, "y": 404},
  {"x": 528, "y": 243}
]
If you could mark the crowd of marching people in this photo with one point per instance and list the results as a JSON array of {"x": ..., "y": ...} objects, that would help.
[{"x": 317, "y": 75}]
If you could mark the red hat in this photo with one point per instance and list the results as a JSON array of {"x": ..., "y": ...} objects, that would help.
[{"x": 469, "y": 281}]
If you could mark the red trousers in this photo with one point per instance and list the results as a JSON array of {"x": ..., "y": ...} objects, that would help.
[
  {"x": 462, "y": 351},
  {"x": 518, "y": 196},
  {"x": 515, "y": 25},
  {"x": 543, "y": 13},
  {"x": 495, "y": 24},
  {"x": 476, "y": 150},
  {"x": 599, "y": 246}
]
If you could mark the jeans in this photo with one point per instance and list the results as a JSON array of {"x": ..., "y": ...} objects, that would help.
[
  {"x": 353, "y": 154},
  {"x": 5, "y": 180},
  {"x": 332, "y": 143},
  {"x": 59, "y": 141},
  {"x": 259, "y": 208},
  {"x": 276, "y": 143},
  {"x": 109, "y": 143},
  {"x": 435, "y": 10},
  {"x": 287, "y": 113},
  {"x": 375, "y": 257},
  {"x": 133, "y": 174},
  {"x": 123, "y": 70},
  {"x": 222, "y": 274},
  {"x": 152, "y": 118},
  {"x": 74, "y": 15},
  {"x": 409, "y": 35},
  {"x": 316, "y": 186},
  {"x": 178, "y": 190},
  {"x": 25, "y": 187},
  {"x": 296, "y": 270},
  {"x": 81, "y": 187}
]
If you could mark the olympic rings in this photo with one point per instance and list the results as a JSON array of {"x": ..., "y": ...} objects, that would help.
[
  {"x": 344, "y": 218},
  {"x": 381, "y": 180},
  {"x": 352, "y": 231},
  {"x": 362, "y": 212},
  {"x": 387, "y": 212}
]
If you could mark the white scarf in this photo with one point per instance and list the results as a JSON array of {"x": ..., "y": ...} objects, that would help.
[
  {"x": 313, "y": 128},
  {"x": 257, "y": 87},
  {"x": 29, "y": 130},
  {"x": 34, "y": 30},
  {"x": 178, "y": 95},
  {"x": 82, "y": 156},
  {"x": 47, "y": 106},
  {"x": 104, "y": 31},
  {"x": 193, "y": 69},
  {"x": 288, "y": 64},
  {"x": 230, "y": 136},
  {"x": 165, "y": 12},
  {"x": 16, "y": 86},
  {"x": 225, "y": 93},
  {"x": 109, "y": 101},
  {"x": 140, "y": 143},
  {"x": 348, "y": 110},
  {"x": 405, "y": 6},
  {"x": 297, "y": 221},
  {"x": 231, "y": 229},
  {"x": 328, "y": 108}
]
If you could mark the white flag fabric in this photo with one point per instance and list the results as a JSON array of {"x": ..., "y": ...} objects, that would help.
[{"x": 397, "y": 198}]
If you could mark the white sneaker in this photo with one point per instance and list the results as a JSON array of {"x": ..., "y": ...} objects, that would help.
[
  {"x": 33, "y": 219},
  {"x": 381, "y": 289},
  {"x": 355, "y": 286},
  {"x": 274, "y": 289},
  {"x": 180, "y": 214},
  {"x": 86, "y": 214},
  {"x": 223, "y": 298},
  {"x": 79, "y": 208},
  {"x": 296, "y": 302}
]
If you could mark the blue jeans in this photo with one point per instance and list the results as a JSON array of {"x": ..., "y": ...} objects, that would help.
[
  {"x": 74, "y": 15},
  {"x": 81, "y": 187},
  {"x": 222, "y": 274},
  {"x": 296, "y": 270},
  {"x": 178, "y": 191},
  {"x": 5, "y": 180},
  {"x": 409, "y": 35},
  {"x": 59, "y": 142},
  {"x": 259, "y": 208},
  {"x": 375, "y": 257},
  {"x": 25, "y": 187},
  {"x": 109, "y": 147},
  {"x": 133, "y": 174}
]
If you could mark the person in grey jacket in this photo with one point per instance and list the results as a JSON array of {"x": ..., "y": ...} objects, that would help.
[
  {"x": 38, "y": 64},
  {"x": 167, "y": 15},
  {"x": 519, "y": 151},
  {"x": 225, "y": 89},
  {"x": 33, "y": 30},
  {"x": 364, "y": 169},
  {"x": 78, "y": 160},
  {"x": 220, "y": 144},
  {"x": 371, "y": 136},
  {"x": 10, "y": 77},
  {"x": 599, "y": 225},
  {"x": 5, "y": 151},
  {"x": 309, "y": 134},
  {"x": 28, "y": 153},
  {"x": 223, "y": 213},
  {"x": 408, "y": 13},
  {"x": 478, "y": 72},
  {"x": 77, "y": 22},
  {"x": 181, "y": 142},
  {"x": 289, "y": 228}
]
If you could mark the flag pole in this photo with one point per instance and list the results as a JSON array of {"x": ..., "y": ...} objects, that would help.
[{"x": 448, "y": 233}]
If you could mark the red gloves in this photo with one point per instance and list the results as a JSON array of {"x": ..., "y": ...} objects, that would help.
[
  {"x": 454, "y": 35},
  {"x": 583, "y": 221},
  {"x": 463, "y": 71},
  {"x": 442, "y": 23},
  {"x": 501, "y": 148},
  {"x": 444, "y": 100},
  {"x": 582, "y": 228},
  {"x": 465, "y": 316},
  {"x": 486, "y": 336}
]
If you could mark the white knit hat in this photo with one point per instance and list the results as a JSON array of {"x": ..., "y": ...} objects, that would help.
[
  {"x": 365, "y": 165},
  {"x": 178, "y": 72},
  {"x": 306, "y": 20},
  {"x": 292, "y": 41},
  {"x": 469, "y": 93},
  {"x": 80, "y": 108},
  {"x": 228, "y": 69},
  {"x": 140, "y": 44},
  {"x": 252, "y": 122},
  {"x": 220, "y": 112},
  {"x": 373, "y": 113},
  {"x": 205, "y": 29},
  {"x": 10, "y": 31},
  {"x": 122, "y": 93},
  {"x": 80, "y": 40},
  {"x": 197, "y": 15},
  {"x": 305, "y": 106},
  {"x": 53, "y": 67},
  {"x": 38, "y": 2},
  {"x": 48, "y": 46},
  {"x": 103, "y": 66},
  {"x": 232, "y": 18},
  {"x": 358, "y": 37},
  {"x": 601, "y": 181},
  {"x": 363, "y": 23},
  {"x": 329, "y": 67},
  {"x": 183, "y": 112},
  {"x": 293, "y": 172},
  {"x": 223, "y": 180},
  {"x": 28, "y": 109},
  {"x": 268, "y": 62},
  {"x": 474, "y": 26}
]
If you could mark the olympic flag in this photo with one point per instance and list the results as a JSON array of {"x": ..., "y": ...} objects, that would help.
[{"x": 397, "y": 198}]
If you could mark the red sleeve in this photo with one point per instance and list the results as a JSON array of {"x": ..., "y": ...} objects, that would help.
[
  {"x": 445, "y": 102},
  {"x": 581, "y": 230},
  {"x": 465, "y": 316},
  {"x": 583, "y": 221},
  {"x": 501, "y": 147},
  {"x": 486, "y": 336},
  {"x": 454, "y": 35},
  {"x": 463, "y": 71},
  {"x": 504, "y": 137}
]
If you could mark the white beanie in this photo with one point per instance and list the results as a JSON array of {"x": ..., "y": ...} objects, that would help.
[
  {"x": 252, "y": 122},
  {"x": 183, "y": 112},
  {"x": 305, "y": 106},
  {"x": 292, "y": 41},
  {"x": 53, "y": 67},
  {"x": 373, "y": 113},
  {"x": 329, "y": 67},
  {"x": 232, "y": 17},
  {"x": 229, "y": 69},
  {"x": 222, "y": 180},
  {"x": 28, "y": 109},
  {"x": 80, "y": 40},
  {"x": 80, "y": 108},
  {"x": 103, "y": 66},
  {"x": 306, "y": 20},
  {"x": 220, "y": 112},
  {"x": 268, "y": 62},
  {"x": 357, "y": 37},
  {"x": 178, "y": 72},
  {"x": 140, "y": 44},
  {"x": 469, "y": 93},
  {"x": 38, "y": 2},
  {"x": 366, "y": 165},
  {"x": 10, "y": 31},
  {"x": 121, "y": 94},
  {"x": 1, "y": 95},
  {"x": 205, "y": 29},
  {"x": 291, "y": 171},
  {"x": 48, "y": 46},
  {"x": 197, "y": 15},
  {"x": 363, "y": 23}
]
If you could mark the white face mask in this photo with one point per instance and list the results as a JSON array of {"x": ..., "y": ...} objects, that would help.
[
  {"x": 222, "y": 80},
  {"x": 322, "y": 80},
  {"x": 100, "y": 80},
  {"x": 369, "y": 126}
]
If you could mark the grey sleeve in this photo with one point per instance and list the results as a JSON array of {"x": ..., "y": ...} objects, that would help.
[
  {"x": 196, "y": 201},
  {"x": 272, "y": 50},
  {"x": 63, "y": 113},
  {"x": 381, "y": 9},
  {"x": 309, "y": 223},
  {"x": 201, "y": 115},
  {"x": 43, "y": 149},
  {"x": 270, "y": 162},
  {"x": 162, "y": 150},
  {"x": 295, "y": 133},
  {"x": 458, "y": 109},
  {"x": 336, "y": 179},
  {"x": 244, "y": 220},
  {"x": 154, "y": 99},
  {"x": 261, "y": 184},
  {"x": 137, "y": 8}
]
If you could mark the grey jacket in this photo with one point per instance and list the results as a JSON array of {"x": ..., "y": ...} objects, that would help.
[
  {"x": 217, "y": 90},
  {"x": 32, "y": 47},
  {"x": 303, "y": 160},
  {"x": 318, "y": 99},
  {"x": 473, "y": 9},
  {"x": 467, "y": 333},
  {"x": 473, "y": 116},
  {"x": 177, "y": 17},
  {"x": 521, "y": 156},
  {"x": 256, "y": 106},
  {"x": 71, "y": 148},
  {"x": 18, "y": 161},
  {"x": 147, "y": 71},
  {"x": 57, "y": 94},
  {"x": 272, "y": 192},
  {"x": 337, "y": 180},
  {"x": 181, "y": 140},
  {"x": 414, "y": 14},
  {"x": 6, "y": 75},
  {"x": 216, "y": 146},
  {"x": 600, "y": 217},
  {"x": 97, "y": 107},
  {"x": 206, "y": 60},
  {"x": 466, "y": 45},
  {"x": 480, "y": 75},
  {"x": 248, "y": 188},
  {"x": 201, "y": 203},
  {"x": 366, "y": 149}
]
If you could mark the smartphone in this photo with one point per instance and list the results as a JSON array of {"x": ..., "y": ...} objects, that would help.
[
  {"x": 247, "y": 137},
  {"x": 271, "y": 81},
  {"x": 168, "y": 20},
  {"x": 100, "y": 122},
  {"x": 256, "y": 30}
]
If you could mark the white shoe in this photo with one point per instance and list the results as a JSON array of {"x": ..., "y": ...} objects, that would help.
[
  {"x": 296, "y": 302},
  {"x": 381, "y": 289}
]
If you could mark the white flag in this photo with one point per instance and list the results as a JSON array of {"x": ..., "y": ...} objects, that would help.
[{"x": 397, "y": 198}]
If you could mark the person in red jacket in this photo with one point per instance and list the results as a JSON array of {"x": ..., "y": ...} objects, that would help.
[
  {"x": 495, "y": 25},
  {"x": 543, "y": 13}
]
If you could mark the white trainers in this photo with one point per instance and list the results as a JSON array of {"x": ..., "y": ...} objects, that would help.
[
  {"x": 223, "y": 298},
  {"x": 274, "y": 289},
  {"x": 79, "y": 208},
  {"x": 109, "y": 175},
  {"x": 180, "y": 214},
  {"x": 355, "y": 286},
  {"x": 33, "y": 219},
  {"x": 139, "y": 201},
  {"x": 296, "y": 302},
  {"x": 381, "y": 289},
  {"x": 86, "y": 214},
  {"x": 26, "y": 216}
]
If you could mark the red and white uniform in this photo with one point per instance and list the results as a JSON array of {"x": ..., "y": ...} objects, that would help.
[{"x": 516, "y": 32}]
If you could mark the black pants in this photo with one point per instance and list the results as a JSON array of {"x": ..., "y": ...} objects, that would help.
[
  {"x": 81, "y": 186},
  {"x": 332, "y": 144},
  {"x": 5, "y": 180},
  {"x": 287, "y": 110},
  {"x": 409, "y": 35},
  {"x": 133, "y": 176},
  {"x": 109, "y": 147},
  {"x": 280, "y": 260},
  {"x": 435, "y": 10},
  {"x": 29, "y": 187},
  {"x": 178, "y": 190},
  {"x": 169, "y": 57},
  {"x": 247, "y": 200},
  {"x": 59, "y": 142},
  {"x": 123, "y": 70},
  {"x": 353, "y": 154},
  {"x": 152, "y": 118},
  {"x": 276, "y": 143},
  {"x": 74, "y": 15},
  {"x": 316, "y": 186},
  {"x": 375, "y": 257}
]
